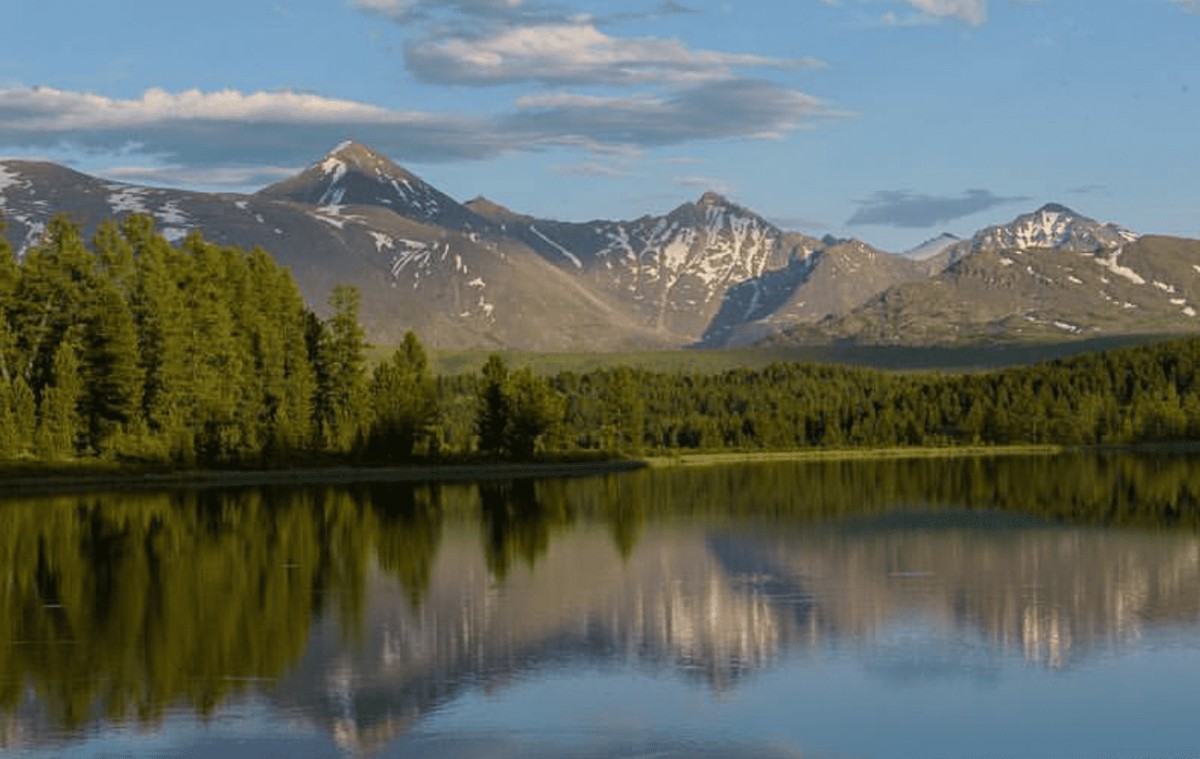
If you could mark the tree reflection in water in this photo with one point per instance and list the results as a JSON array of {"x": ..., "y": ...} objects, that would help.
[{"x": 118, "y": 607}]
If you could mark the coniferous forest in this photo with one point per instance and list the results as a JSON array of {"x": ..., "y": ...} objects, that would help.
[{"x": 126, "y": 348}]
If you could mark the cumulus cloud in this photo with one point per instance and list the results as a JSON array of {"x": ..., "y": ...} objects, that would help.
[
  {"x": 902, "y": 208},
  {"x": 574, "y": 54},
  {"x": 584, "y": 87}
]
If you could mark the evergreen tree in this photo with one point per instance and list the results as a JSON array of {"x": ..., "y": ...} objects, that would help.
[
  {"x": 491, "y": 421},
  {"x": 403, "y": 401},
  {"x": 113, "y": 396},
  {"x": 534, "y": 409},
  {"x": 59, "y": 425},
  {"x": 342, "y": 381},
  {"x": 164, "y": 328}
]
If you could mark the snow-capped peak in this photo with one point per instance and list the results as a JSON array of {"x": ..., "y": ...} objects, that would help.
[{"x": 1053, "y": 226}]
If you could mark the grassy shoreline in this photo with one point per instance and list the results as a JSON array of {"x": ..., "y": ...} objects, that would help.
[
  {"x": 850, "y": 454},
  {"x": 87, "y": 476}
]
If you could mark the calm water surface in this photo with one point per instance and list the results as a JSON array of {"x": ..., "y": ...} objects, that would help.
[{"x": 990, "y": 608}]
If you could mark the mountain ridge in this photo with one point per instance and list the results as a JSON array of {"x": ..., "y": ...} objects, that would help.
[{"x": 708, "y": 272}]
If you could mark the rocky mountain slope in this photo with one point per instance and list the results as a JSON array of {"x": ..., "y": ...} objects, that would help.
[
  {"x": 710, "y": 272},
  {"x": 671, "y": 271},
  {"x": 1049, "y": 275},
  {"x": 455, "y": 286}
]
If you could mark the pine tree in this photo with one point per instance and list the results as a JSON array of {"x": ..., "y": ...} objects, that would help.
[
  {"x": 534, "y": 409},
  {"x": 164, "y": 329},
  {"x": 403, "y": 401},
  {"x": 113, "y": 397},
  {"x": 59, "y": 423},
  {"x": 342, "y": 381},
  {"x": 491, "y": 420}
]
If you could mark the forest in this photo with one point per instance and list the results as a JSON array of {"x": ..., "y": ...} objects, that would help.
[{"x": 125, "y": 348}]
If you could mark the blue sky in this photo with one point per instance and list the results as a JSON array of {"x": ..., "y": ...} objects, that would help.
[{"x": 888, "y": 120}]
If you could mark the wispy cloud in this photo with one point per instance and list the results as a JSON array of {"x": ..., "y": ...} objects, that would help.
[
  {"x": 922, "y": 12},
  {"x": 227, "y": 130},
  {"x": 590, "y": 169},
  {"x": 903, "y": 208},
  {"x": 1191, "y": 6},
  {"x": 574, "y": 54},
  {"x": 703, "y": 183}
]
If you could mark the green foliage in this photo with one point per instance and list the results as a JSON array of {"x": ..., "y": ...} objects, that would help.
[
  {"x": 59, "y": 426},
  {"x": 403, "y": 402},
  {"x": 492, "y": 420},
  {"x": 206, "y": 354},
  {"x": 341, "y": 373}
]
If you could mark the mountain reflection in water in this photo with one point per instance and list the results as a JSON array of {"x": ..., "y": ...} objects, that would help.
[{"x": 363, "y": 610}]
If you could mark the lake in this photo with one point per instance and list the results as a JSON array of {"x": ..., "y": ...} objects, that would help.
[{"x": 1045, "y": 606}]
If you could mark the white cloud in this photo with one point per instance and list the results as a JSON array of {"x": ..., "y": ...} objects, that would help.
[
  {"x": 973, "y": 12},
  {"x": 1191, "y": 6},
  {"x": 575, "y": 53},
  {"x": 44, "y": 108},
  {"x": 229, "y": 137}
]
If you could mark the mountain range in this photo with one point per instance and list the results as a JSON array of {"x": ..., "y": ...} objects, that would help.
[{"x": 708, "y": 273}]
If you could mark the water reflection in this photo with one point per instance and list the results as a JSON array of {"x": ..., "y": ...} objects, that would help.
[{"x": 366, "y": 609}]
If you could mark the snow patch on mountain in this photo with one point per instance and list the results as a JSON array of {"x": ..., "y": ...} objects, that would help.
[
  {"x": 1110, "y": 262},
  {"x": 8, "y": 179},
  {"x": 566, "y": 253},
  {"x": 125, "y": 198},
  {"x": 1053, "y": 227},
  {"x": 382, "y": 241}
]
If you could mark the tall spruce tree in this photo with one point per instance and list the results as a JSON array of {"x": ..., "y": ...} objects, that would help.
[
  {"x": 491, "y": 419},
  {"x": 113, "y": 396},
  {"x": 60, "y": 426},
  {"x": 403, "y": 401},
  {"x": 342, "y": 379}
]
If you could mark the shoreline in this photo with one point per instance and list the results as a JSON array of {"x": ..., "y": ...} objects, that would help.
[
  {"x": 326, "y": 475},
  {"x": 852, "y": 454},
  {"x": 85, "y": 480}
]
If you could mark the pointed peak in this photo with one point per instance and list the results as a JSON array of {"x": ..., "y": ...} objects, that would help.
[
  {"x": 354, "y": 154},
  {"x": 712, "y": 198},
  {"x": 490, "y": 209},
  {"x": 1056, "y": 208}
]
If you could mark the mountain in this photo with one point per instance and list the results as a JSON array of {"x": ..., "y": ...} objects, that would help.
[
  {"x": 831, "y": 281},
  {"x": 710, "y": 272},
  {"x": 455, "y": 286},
  {"x": 354, "y": 175},
  {"x": 932, "y": 247},
  {"x": 1051, "y": 227},
  {"x": 670, "y": 272},
  {"x": 1050, "y": 275}
]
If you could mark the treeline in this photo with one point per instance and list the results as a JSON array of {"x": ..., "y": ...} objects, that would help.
[
  {"x": 132, "y": 349},
  {"x": 128, "y": 348}
]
